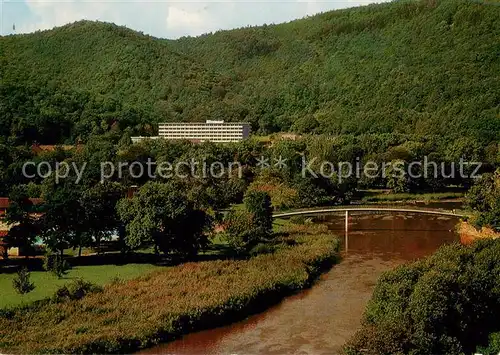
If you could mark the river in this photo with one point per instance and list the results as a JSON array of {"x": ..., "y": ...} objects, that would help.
[{"x": 320, "y": 320}]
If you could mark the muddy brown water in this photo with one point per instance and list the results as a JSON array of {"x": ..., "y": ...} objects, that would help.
[{"x": 321, "y": 319}]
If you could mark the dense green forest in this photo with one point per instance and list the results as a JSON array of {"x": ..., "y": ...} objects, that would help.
[
  {"x": 411, "y": 67},
  {"x": 401, "y": 83}
]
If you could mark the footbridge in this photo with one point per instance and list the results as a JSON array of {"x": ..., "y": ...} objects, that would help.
[
  {"x": 368, "y": 209},
  {"x": 373, "y": 209}
]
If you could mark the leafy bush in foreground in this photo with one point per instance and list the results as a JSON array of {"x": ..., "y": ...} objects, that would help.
[
  {"x": 162, "y": 305},
  {"x": 447, "y": 303}
]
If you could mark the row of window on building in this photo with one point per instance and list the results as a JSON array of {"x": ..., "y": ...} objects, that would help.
[{"x": 213, "y": 131}]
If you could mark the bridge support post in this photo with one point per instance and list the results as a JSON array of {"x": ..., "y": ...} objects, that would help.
[{"x": 346, "y": 230}]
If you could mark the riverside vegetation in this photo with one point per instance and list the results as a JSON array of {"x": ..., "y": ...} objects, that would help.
[
  {"x": 160, "y": 306},
  {"x": 435, "y": 68},
  {"x": 447, "y": 303},
  {"x": 434, "y": 64},
  {"x": 81, "y": 215}
]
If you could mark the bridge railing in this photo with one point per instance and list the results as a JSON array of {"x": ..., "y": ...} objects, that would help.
[{"x": 370, "y": 209}]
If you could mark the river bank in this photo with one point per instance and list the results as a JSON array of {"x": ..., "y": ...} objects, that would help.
[
  {"x": 320, "y": 320},
  {"x": 469, "y": 234},
  {"x": 161, "y": 306}
]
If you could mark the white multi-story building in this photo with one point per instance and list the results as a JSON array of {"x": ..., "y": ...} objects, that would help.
[{"x": 213, "y": 131}]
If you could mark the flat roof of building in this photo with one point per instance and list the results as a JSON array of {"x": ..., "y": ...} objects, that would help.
[{"x": 189, "y": 123}]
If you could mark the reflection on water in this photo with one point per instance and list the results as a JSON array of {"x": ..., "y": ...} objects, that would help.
[
  {"x": 320, "y": 320},
  {"x": 392, "y": 237}
]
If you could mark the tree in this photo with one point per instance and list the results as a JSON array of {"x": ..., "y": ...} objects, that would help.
[
  {"x": 99, "y": 206},
  {"x": 162, "y": 216},
  {"x": 259, "y": 204},
  {"x": 22, "y": 283},
  {"x": 63, "y": 223},
  {"x": 97, "y": 150},
  {"x": 240, "y": 230},
  {"x": 282, "y": 194},
  {"x": 20, "y": 214},
  {"x": 484, "y": 199},
  {"x": 396, "y": 174},
  {"x": 313, "y": 191},
  {"x": 305, "y": 124}
]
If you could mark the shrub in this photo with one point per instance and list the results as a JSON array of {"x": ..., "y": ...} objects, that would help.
[
  {"x": 75, "y": 291},
  {"x": 22, "y": 283},
  {"x": 262, "y": 248},
  {"x": 298, "y": 219},
  {"x": 56, "y": 264}
]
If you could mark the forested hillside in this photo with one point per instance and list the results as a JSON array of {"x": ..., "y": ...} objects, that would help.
[
  {"x": 88, "y": 77},
  {"x": 416, "y": 67},
  {"x": 409, "y": 66}
]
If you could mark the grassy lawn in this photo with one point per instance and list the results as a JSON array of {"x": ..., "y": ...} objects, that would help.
[{"x": 46, "y": 284}]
